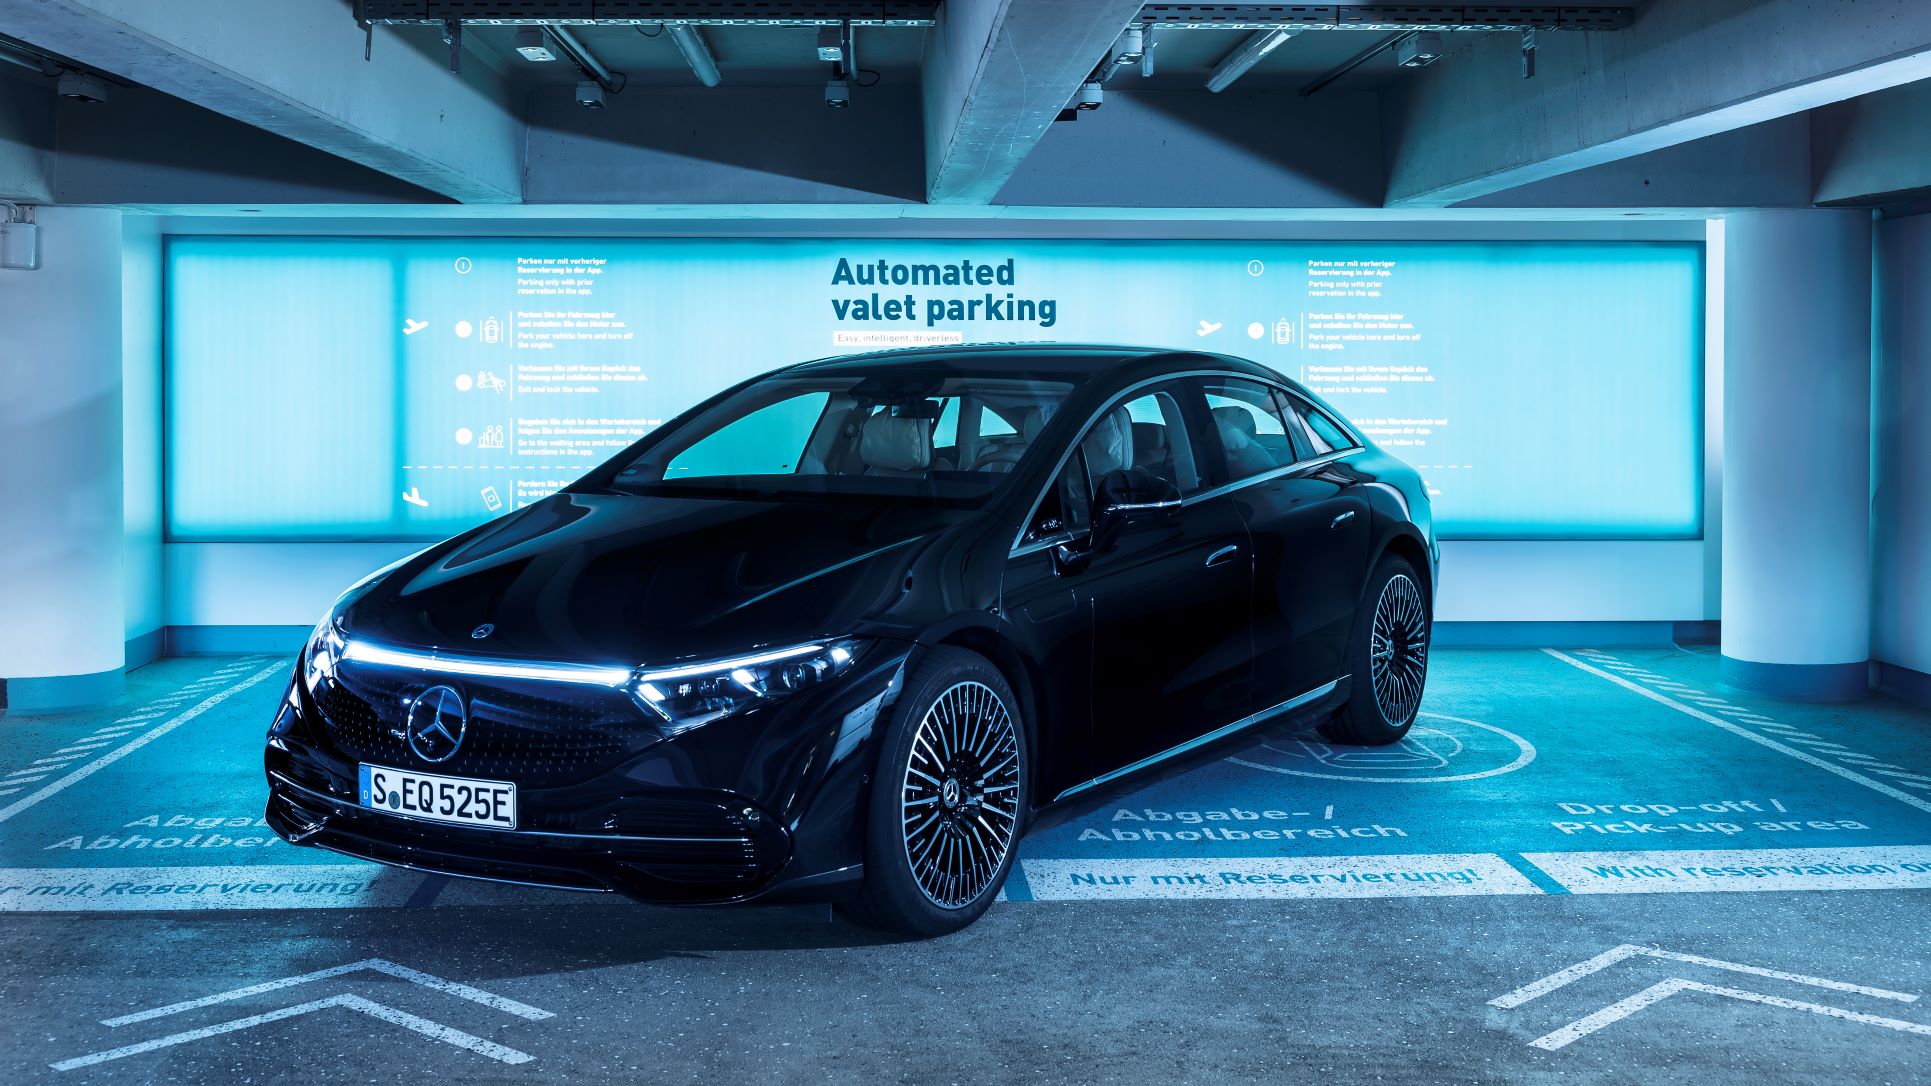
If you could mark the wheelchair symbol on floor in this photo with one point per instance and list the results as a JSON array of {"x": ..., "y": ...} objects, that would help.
[{"x": 1438, "y": 748}]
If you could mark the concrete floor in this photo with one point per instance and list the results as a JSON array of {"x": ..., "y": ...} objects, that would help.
[{"x": 1751, "y": 907}]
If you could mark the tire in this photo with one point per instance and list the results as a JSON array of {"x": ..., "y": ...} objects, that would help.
[
  {"x": 1387, "y": 657},
  {"x": 936, "y": 856}
]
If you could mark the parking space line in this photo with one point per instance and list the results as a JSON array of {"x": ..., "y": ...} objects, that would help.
[
  {"x": 424, "y": 1026},
  {"x": 377, "y": 965},
  {"x": 149, "y": 736},
  {"x": 78, "y": 747},
  {"x": 1536, "y": 989},
  {"x": 1661, "y": 990},
  {"x": 16, "y": 778},
  {"x": 1735, "y": 729}
]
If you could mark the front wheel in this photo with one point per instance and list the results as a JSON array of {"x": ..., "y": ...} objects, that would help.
[
  {"x": 1388, "y": 658},
  {"x": 949, "y": 800}
]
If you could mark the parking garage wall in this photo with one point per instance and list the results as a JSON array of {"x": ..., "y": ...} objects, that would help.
[
  {"x": 1901, "y": 475},
  {"x": 237, "y": 596}
]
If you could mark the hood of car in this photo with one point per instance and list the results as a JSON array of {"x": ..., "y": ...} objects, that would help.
[{"x": 628, "y": 579}]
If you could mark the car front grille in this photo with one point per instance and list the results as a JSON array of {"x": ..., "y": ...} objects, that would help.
[{"x": 556, "y": 735}]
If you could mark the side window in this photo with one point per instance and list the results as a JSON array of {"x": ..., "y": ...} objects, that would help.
[
  {"x": 1148, "y": 431},
  {"x": 1067, "y": 506},
  {"x": 1251, "y": 436},
  {"x": 1326, "y": 434}
]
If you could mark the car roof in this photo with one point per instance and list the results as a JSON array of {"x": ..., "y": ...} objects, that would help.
[{"x": 1073, "y": 361}]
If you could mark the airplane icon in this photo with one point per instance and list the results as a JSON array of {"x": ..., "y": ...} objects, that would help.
[
  {"x": 410, "y": 327},
  {"x": 1207, "y": 328},
  {"x": 413, "y": 496}
]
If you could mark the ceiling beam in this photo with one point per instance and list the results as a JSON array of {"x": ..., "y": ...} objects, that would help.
[
  {"x": 297, "y": 71},
  {"x": 996, "y": 74},
  {"x": 1470, "y": 126},
  {"x": 1873, "y": 151}
]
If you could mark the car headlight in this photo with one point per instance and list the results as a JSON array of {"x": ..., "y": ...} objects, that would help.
[
  {"x": 325, "y": 647},
  {"x": 697, "y": 694}
]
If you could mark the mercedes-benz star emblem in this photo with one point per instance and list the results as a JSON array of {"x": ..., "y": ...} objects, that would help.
[
  {"x": 437, "y": 721},
  {"x": 483, "y": 631}
]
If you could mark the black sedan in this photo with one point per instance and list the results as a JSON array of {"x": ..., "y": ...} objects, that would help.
[{"x": 844, "y": 631}]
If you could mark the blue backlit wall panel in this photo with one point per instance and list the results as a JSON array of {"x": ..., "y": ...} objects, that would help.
[{"x": 338, "y": 389}]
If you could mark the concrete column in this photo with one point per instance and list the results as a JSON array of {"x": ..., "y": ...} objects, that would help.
[
  {"x": 61, "y": 627},
  {"x": 1796, "y": 453}
]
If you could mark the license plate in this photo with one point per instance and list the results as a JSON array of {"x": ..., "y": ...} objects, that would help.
[{"x": 465, "y": 802}]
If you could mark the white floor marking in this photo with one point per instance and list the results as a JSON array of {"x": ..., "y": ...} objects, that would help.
[
  {"x": 1222, "y": 878},
  {"x": 1904, "y": 776},
  {"x": 9, "y": 791},
  {"x": 79, "y": 747},
  {"x": 1763, "y": 740},
  {"x": 1701, "y": 871},
  {"x": 379, "y": 965},
  {"x": 424, "y": 1026},
  {"x": 1536, "y": 989},
  {"x": 16, "y": 778},
  {"x": 133, "y": 745},
  {"x": 1656, "y": 993},
  {"x": 211, "y": 888}
]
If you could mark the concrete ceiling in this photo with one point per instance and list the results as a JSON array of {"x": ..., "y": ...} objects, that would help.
[{"x": 1696, "y": 103}]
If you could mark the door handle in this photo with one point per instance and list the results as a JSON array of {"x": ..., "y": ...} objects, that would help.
[
  {"x": 1223, "y": 554},
  {"x": 1342, "y": 519}
]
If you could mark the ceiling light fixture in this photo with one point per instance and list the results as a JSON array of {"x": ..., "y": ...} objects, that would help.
[
  {"x": 1251, "y": 52},
  {"x": 535, "y": 47},
  {"x": 1419, "y": 50},
  {"x": 81, "y": 87},
  {"x": 831, "y": 48}
]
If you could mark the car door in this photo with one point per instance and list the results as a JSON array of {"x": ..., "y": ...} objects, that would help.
[
  {"x": 1052, "y": 620},
  {"x": 1308, "y": 521},
  {"x": 1168, "y": 594}
]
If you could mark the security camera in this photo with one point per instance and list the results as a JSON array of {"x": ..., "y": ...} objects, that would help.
[
  {"x": 1419, "y": 50},
  {"x": 590, "y": 94},
  {"x": 81, "y": 88},
  {"x": 1091, "y": 94},
  {"x": 838, "y": 93}
]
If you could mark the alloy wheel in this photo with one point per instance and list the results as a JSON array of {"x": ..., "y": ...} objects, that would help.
[
  {"x": 960, "y": 798},
  {"x": 1398, "y": 650}
]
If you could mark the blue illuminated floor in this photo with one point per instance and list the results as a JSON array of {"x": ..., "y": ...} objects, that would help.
[{"x": 1739, "y": 883}]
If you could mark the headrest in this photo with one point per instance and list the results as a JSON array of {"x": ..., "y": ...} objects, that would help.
[
  {"x": 1238, "y": 418},
  {"x": 889, "y": 443},
  {"x": 1109, "y": 447}
]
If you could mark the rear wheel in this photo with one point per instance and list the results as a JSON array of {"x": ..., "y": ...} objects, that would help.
[
  {"x": 949, "y": 800},
  {"x": 1388, "y": 658}
]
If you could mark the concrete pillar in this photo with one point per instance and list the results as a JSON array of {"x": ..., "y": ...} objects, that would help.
[
  {"x": 61, "y": 627},
  {"x": 1796, "y": 453}
]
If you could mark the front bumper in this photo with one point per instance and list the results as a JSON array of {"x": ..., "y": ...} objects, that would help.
[{"x": 765, "y": 805}]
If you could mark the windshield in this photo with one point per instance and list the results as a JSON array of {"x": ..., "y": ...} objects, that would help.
[{"x": 911, "y": 433}]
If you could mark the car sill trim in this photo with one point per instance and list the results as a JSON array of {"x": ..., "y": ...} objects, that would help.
[{"x": 1197, "y": 742}]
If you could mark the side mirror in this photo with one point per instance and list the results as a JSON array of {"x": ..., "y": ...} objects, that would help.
[
  {"x": 1125, "y": 498},
  {"x": 1131, "y": 497}
]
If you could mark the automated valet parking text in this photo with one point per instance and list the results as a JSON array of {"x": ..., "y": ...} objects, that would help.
[{"x": 1529, "y": 773}]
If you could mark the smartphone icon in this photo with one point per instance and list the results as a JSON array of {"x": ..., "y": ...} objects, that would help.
[{"x": 490, "y": 500}]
